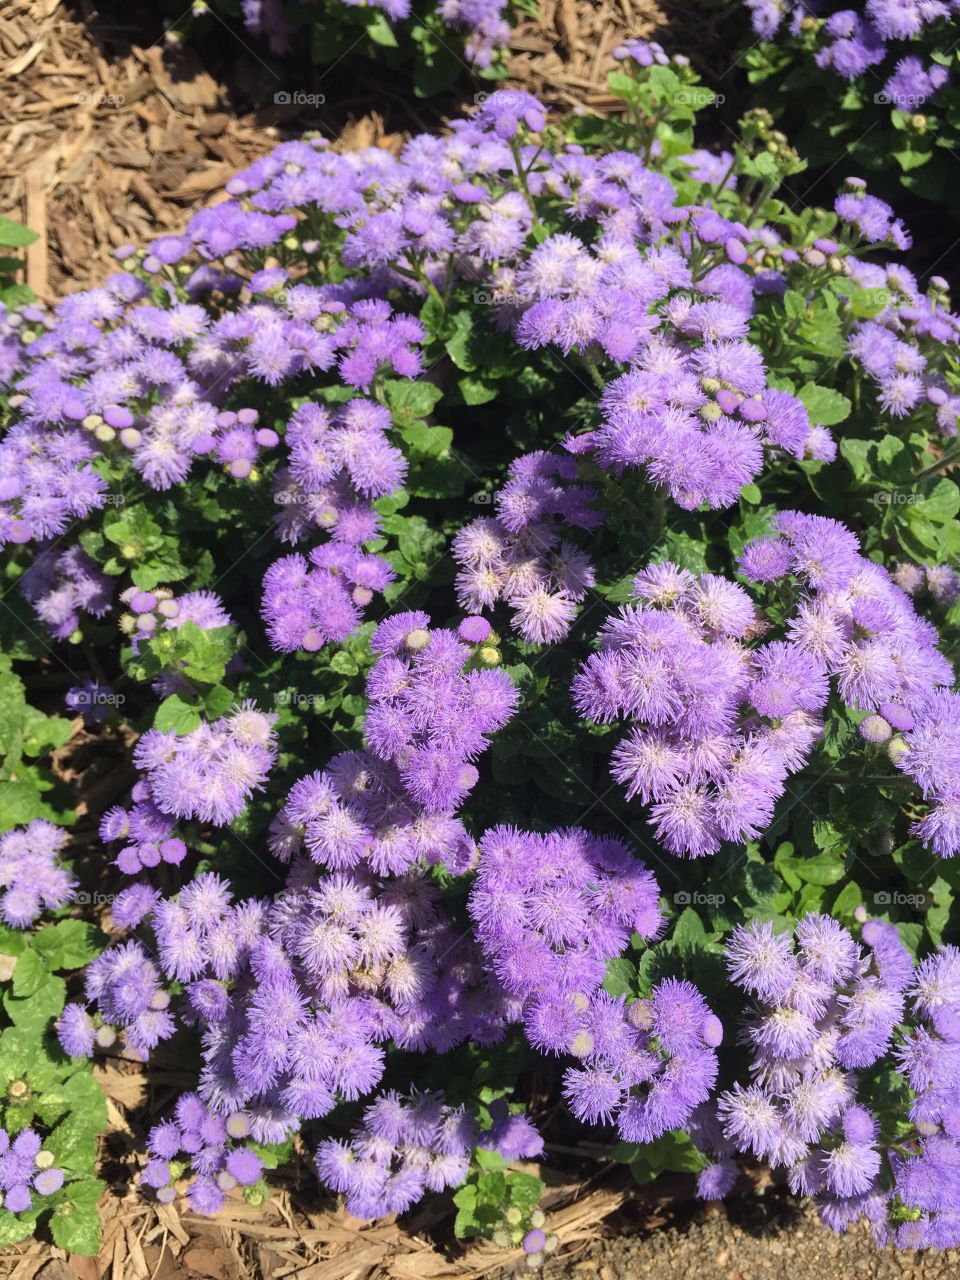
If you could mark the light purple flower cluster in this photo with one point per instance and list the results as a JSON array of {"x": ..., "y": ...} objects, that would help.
[
  {"x": 550, "y": 911},
  {"x": 211, "y": 772},
  {"x": 338, "y": 466},
  {"x": 30, "y": 876},
  {"x": 694, "y": 409},
  {"x": 825, "y": 1011},
  {"x": 26, "y": 1171},
  {"x": 431, "y": 713},
  {"x": 150, "y": 382},
  {"x": 852, "y": 43},
  {"x": 46, "y": 480},
  {"x": 212, "y": 1144},
  {"x": 161, "y": 609},
  {"x": 717, "y": 726},
  {"x": 860, "y": 628},
  {"x": 697, "y": 418},
  {"x": 520, "y": 555},
  {"x": 720, "y": 722},
  {"x": 871, "y": 217},
  {"x": 294, "y": 996},
  {"x": 408, "y": 1145},
  {"x": 928, "y": 750},
  {"x": 940, "y": 581},
  {"x": 148, "y": 834},
  {"x": 61, "y": 585},
  {"x": 127, "y": 987}
]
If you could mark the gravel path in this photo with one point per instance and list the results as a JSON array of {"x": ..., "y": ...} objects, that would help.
[{"x": 768, "y": 1238}]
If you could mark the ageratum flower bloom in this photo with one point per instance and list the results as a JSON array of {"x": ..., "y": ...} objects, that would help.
[
  {"x": 28, "y": 1174},
  {"x": 825, "y": 1011},
  {"x": 211, "y": 772},
  {"x": 719, "y": 722},
  {"x": 550, "y": 912},
  {"x": 30, "y": 875},
  {"x": 520, "y": 555},
  {"x": 214, "y": 1147},
  {"x": 409, "y": 1145}
]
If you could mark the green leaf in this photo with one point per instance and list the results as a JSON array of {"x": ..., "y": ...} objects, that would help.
[
  {"x": 15, "y": 1227},
  {"x": 825, "y": 869},
  {"x": 825, "y": 406},
  {"x": 408, "y": 400},
  {"x": 458, "y": 346},
  {"x": 68, "y": 944},
  {"x": 621, "y": 977},
  {"x": 688, "y": 933},
  {"x": 75, "y": 1224},
  {"x": 74, "y": 1144},
  {"x": 173, "y": 714},
  {"x": 30, "y": 974},
  {"x": 34, "y": 1013},
  {"x": 13, "y": 235}
]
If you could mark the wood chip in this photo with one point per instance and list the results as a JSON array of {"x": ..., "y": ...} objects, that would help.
[{"x": 14, "y": 68}]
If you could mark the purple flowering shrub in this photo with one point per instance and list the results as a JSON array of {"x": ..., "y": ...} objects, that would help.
[
  {"x": 874, "y": 82},
  {"x": 506, "y": 568}
]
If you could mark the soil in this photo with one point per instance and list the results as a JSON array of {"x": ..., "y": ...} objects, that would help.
[{"x": 768, "y": 1237}]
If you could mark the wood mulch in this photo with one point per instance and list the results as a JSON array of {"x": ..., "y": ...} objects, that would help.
[{"x": 107, "y": 136}]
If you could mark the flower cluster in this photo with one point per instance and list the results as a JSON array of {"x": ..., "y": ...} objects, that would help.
[
  {"x": 62, "y": 585},
  {"x": 482, "y": 22},
  {"x": 720, "y": 723},
  {"x": 409, "y": 1145},
  {"x": 520, "y": 556},
  {"x": 429, "y": 718},
  {"x": 148, "y": 834},
  {"x": 30, "y": 876},
  {"x": 860, "y": 628},
  {"x": 550, "y": 911},
  {"x": 47, "y": 479},
  {"x": 718, "y": 726},
  {"x": 127, "y": 987},
  {"x": 852, "y": 43},
  {"x": 150, "y": 611},
  {"x": 211, "y": 772},
  {"x": 213, "y": 1146},
  {"x": 825, "y": 1012},
  {"x": 338, "y": 465},
  {"x": 939, "y": 581},
  {"x": 26, "y": 1171}
]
